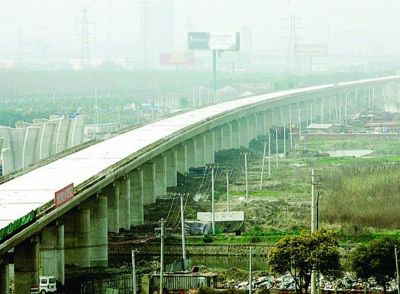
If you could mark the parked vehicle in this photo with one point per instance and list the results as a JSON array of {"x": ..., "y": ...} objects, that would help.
[{"x": 47, "y": 284}]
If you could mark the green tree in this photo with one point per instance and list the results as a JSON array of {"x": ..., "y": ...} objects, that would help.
[
  {"x": 375, "y": 260},
  {"x": 299, "y": 255}
]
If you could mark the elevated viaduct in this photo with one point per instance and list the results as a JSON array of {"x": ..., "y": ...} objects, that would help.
[{"x": 115, "y": 178}]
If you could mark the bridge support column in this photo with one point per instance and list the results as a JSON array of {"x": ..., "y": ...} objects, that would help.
[
  {"x": 149, "y": 174},
  {"x": 199, "y": 147},
  {"x": 244, "y": 132},
  {"x": 52, "y": 252},
  {"x": 191, "y": 153},
  {"x": 99, "y": 232},
  {"x": 322, "y": 110},
  {"x": 124, "y": 203},
  {"x": 300, "y": 117},
  {"x": 113, "y": 208},
  {"x": 209, "y": 147},
  {"x": 252, "y": 127},
  {"x": 137, "y": 214},
  {"x": 261, "y": 123},
  {"x": 290, "y": 126},
  {"x": 77, "y": 238},
  {"x": 182, "y": 159},
  {"x": 227, "y": 136},
  {"x": 4, "y": 279},
  {"x": 160, "y": 188},
  {"x": 218, "y": 139},
  {"x": 235, "y": 134},
  {"x": 172, "y": 158},
  {"x": 26, "y": 265}
]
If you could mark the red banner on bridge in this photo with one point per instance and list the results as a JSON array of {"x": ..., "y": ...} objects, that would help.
[{"x": 64, "y": 195}]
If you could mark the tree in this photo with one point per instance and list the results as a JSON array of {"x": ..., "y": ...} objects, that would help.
[
  {"x": 299, "y": 255},
  {"x": 375, "y": 260}
]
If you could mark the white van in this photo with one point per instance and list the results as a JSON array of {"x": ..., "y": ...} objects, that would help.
[{"x": 47, "y": 284}]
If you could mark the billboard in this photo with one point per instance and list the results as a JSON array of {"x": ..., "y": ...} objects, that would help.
[
  {"x": 223, "y": 216},
  {"x": 64, "y": 195},
  {"x": 214, "y": 41},
  {"x": 177, "y": 58}
]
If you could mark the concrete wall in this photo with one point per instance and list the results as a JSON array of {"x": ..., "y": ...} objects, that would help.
[{"x": 28, "y": 143}]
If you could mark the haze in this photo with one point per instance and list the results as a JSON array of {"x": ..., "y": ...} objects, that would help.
[{"x": 352, "y": 27}]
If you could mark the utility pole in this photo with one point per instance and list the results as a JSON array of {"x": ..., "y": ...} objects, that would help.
[
  {"x": 250, "y": 270},
  {"x": 97, "y": 110},
  {"x": 212, "y": 166},
  {"x": 397, "y": 270},
  {"x": 313, "y": 226},
  {"x": 269, "y": 155},
  {"x": 246, "y": 176},
  {"x": 276, "y": 148},
  {"x": 183, "y": 229},
  {"x": 284, "y": 140},
  {"x": 162, "y": 223},
  {"x": 262, "y": 166},
  {"x": 134, "y": 287},
  {"x": 227, "y": 191},
  {"x": 313, "y": 203}
]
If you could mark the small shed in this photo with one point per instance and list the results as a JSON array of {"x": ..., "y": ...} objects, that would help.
[{"x": 324, "y": 128}]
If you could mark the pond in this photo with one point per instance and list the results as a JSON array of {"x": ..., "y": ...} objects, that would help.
[{"x": 349, "y": 153}]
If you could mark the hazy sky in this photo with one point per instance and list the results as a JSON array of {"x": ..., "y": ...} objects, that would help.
[{"x": 350, "y": 26}]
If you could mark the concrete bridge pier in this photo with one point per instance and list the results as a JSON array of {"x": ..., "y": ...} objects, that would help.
[
  {"x": 113, "y": 208},
  {"x": 252, "y": 127},
  {"x": 52, "y": 252},
  {"x": 244, "y": 132},
  {"x": 124, "y": 202},
  {"x": 299, "y": 118},
  {"x": 311, "y": 112},
  {"x": 99, "y": 231},
  {"x": 199, "y": 143},
  {"x": 235, "y": 131},
  {"x": 218, "y": 139},
  {"x": 4, "y": 278},
  {"x": 261, "y": 123},
  {"x": 226, "y": 130},
  {"x": 322, "y": 110},
  {"x": 182, "y": 159},
  {"x": 172, "y": 165},
  {"x": 160, "y": 188},
  {"x": 77, "y": 237},
  {"x": 209, "y": 147},
  {"x": 26, "y": 265},
  {"x": 149, "y": 175},
  {"x": 137, "y": 213},
  {"x": 191, "y": 153},
  {"x": 291, "y": 126}
]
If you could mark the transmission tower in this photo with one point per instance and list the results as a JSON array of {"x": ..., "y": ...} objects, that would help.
[
  {"x": 85, "y": 38},
  {"x": 292, "y": 41}
]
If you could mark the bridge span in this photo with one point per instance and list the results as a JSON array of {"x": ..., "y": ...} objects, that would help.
[{"x": 114, "y": 179}]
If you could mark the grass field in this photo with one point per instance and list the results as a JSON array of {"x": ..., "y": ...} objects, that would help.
[{"x": 359, "y": 197}]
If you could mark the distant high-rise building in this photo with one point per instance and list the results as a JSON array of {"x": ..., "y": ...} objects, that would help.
[
  {"x": 246, "y": 39},
  {"x": 157, "y": 26}
]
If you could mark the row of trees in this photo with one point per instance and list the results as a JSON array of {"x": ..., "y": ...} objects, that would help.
[{"x": 319, "y": 251}]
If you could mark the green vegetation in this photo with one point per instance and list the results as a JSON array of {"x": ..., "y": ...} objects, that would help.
[
  {"x": 299, "y": 255},
  {"x": 363, "y": 195},
  {"x": 376, "y": 260}
]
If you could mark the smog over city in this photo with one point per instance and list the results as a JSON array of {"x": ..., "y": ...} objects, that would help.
[{"x": 186, "y": 146}]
